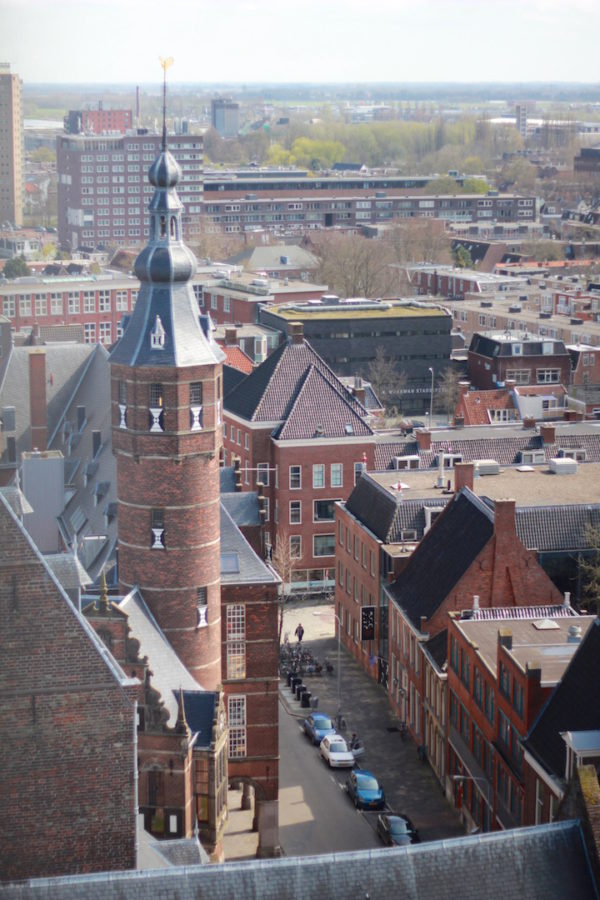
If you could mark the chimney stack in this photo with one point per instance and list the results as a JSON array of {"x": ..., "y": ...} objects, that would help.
[
  {"x": 358, "y": 389},
  {"x": 548, "y": 433},
  {"x": 505, "y": 638},
  {"x": 463, "y": 387},
  {"x": 504, "y": 519},
  {"x": 37, "y": 399},
  {"x": 296, "y": 332},
  {"x": 464, "y": 474},
  {"x": 423, "y": 439},
  {"x": 230, "y": 337}
]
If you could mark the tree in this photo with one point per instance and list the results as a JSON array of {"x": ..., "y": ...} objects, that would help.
[
  {"x": 385, "y": 379},
  {"x": 419, "y": 240},
  {"x": 590, "y": 569},
  {"x": 285, "y": 563},
  {"x": 448, "y": 391},
  {"x": 16, "y": 267},
  {"x": 462, "y": 257},
  {"x": 354, "y": 266}
]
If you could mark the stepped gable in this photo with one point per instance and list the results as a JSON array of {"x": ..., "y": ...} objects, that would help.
[
  {"x": 556, "y": 527},
  {"x": 268, "y": 393},
  {"x": 443, "y": 556},
  {"x": 321, "y": 410},
  {"x": 573, "y": 705}
]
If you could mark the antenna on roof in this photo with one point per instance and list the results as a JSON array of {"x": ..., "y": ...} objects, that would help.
[{"x": 166, "y": 64}]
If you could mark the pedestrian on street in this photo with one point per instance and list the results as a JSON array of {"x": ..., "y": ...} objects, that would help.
[{"x": 299, "y": 632}]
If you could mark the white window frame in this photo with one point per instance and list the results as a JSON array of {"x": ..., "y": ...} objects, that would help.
[
  {"x": 318, "y": 476},
  {"x": 236, "y": 710}
]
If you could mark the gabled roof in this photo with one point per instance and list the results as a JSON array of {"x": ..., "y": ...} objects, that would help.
[
  {"x": 443, "y": 556},
  {"x": 387, "y": 514},
  {"x": 268, "y": 393},
  {"x": 537, "y": 862},
  {"x": 239, "y": 562},
  {"x": 237, "y": 359},
  {"x": 320, "y": 410},
  {"x": 574, "y": 705},
  {"x": 557, "y": 527},
  {"x": 242, "y": 506}
]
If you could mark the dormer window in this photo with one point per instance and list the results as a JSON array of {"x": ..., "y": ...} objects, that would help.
[
  {"x": 157, "y": 335},
  {"x": 196, "y": 406},
  {"x": 156, "y": 407}
]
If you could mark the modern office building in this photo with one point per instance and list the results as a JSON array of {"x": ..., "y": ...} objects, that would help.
[
  {"x": 103, "y": 190},
  {"x": 11, "y": 147},
  {"x": 225, "y": 116}
]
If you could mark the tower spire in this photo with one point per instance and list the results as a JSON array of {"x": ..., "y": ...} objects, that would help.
[{"x": 166, "y": 64}]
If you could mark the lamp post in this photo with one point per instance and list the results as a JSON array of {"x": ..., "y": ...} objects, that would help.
[
  {"x": 339, "y": 674},
  {"x": 431, "y": 398},
  {"x": 476, "y": 778}
]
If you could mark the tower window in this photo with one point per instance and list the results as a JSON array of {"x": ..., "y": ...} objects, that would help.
[
  {"x": 157, "y": 527},
  {"x": 122, "y": 404},
  {"x": 156, "y": 407},
  {"x": 196, "y": 406},
  {"x": 202, "y": 607},
  {"x": 163, "y": 226}
]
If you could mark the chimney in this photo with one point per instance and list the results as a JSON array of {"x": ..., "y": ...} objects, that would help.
[
  {"x": 358, "y": 389},
  {"x": 463, "y": 476},
  {"x": 459, "y": 421},
  {"x": 505, "y": 638},
  {"x": 475, "y": 602},
  {"x": 567, "y": 600},
  {"x": 528, "y": 422},
  {"x": 548, "y": 433},
  {"x": 463, "y": 387},
  {"x": 37, "y": 399},
  {"x": 230, "y": 337},
  {"x": 296, "y": 332},
  {"x": 504, "y": 519},
  {"x": 423, "y": 439}
]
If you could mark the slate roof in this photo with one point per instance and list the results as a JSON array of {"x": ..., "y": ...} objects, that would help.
[
  {"x": 242, "y": 506},
  {"x": 539, "y": 862},
  {"x": 385, "y": 514},
  {"x": 250, "y": 569},
  {"x": 227, "y": 479},
  {"x": 269, "y": 392},
  {"x": 443, "y": 556},
  {"x": 437, "y": 648},
  {"x": 68, "y": 570},
  {"x": 574, "y": 705},
  {"x": 231, "y": 378},
  {"x": 558, "y": 528},
  {"x": 16, "y": 499},
  {"x": 319, "y": 410},
  {"x": 199, "y": 707},
  {"x": 168, "y": 672}
]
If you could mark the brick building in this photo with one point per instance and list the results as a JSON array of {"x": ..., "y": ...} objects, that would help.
[
  {"x": 494, "y": 359},
  {"x": 299, "y": 432},
  {"x": 472, "y": 548},
  {"x": 98, "y": 121},
  {"x": 67, "y": 720},
  {"x": 102, "y": 189},
  {"x": 502, "y": 667}
]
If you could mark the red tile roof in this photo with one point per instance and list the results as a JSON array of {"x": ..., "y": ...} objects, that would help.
[
  {"x": 237, "y": 359},
  {"x": 474, "y": 405}
]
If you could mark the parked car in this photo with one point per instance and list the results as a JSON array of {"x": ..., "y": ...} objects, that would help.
[
  {"x": 335, "y": 751},
  {"x": 364, "y": 790},
  {"x": 396, "y": 830},
  {"x": 317, "y": 726}
]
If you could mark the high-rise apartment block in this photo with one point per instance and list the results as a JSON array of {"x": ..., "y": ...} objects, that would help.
[
  {"x": 225, "y": 117},
  {"x": 11, "y": 147},
  {"x": 103, "y": 190}
]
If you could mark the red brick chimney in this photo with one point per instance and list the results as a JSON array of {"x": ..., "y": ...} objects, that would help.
[
  {"x": 230, "y": 337},
  {"x": 548, "y": 433},
  {"x": 37, "y": 399},
  {"x": 504, "y": 520},
  {"x": 296, "y": 332},
  {"x": 463, "y": 387},
  {"x": 423, "y": 439},
  {"x": 358, "y": 389},
  {"x": 463, "y": 475}
]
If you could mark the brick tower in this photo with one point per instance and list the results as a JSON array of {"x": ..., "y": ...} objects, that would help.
[{"x": 166, "y": 380}]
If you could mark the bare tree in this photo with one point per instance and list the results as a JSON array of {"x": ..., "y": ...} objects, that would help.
[
  {"x": 388, "y": 383},
  {"x": 354, "y": 266},
  {"x": 590, "y": 569},
  {"x": 448, "y": 391},
  {"x": 285, "y": 562}
]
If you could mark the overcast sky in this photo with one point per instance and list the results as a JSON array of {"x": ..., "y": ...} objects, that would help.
[{"x": 301, "y": 40}]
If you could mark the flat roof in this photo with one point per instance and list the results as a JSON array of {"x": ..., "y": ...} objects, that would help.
[
  {"x": 343, "y": 310},
  {"x": 538, "y": 487},
  {"x": 532, "y": 645}
]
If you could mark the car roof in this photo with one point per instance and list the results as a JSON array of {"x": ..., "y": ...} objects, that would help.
[
  {"x": 363, "y": 773},
  {"x": 317, "y": 716}
]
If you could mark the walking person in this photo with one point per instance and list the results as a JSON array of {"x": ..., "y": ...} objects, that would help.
[{"x": 299, "y": 632}]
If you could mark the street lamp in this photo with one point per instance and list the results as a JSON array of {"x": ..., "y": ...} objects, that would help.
[
  {"x": 431, "y": 398},
  {"x": 339, "y": 683},
  {"x": 475, "y": 778}
]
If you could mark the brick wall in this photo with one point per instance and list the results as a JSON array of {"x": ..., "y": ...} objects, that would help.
[{"x": 67, "y": 729}]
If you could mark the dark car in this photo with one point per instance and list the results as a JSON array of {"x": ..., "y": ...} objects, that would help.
[
  {"x": 317, "y": 726},
  {"x": 396, "y": 830},
  {"x": 364, "y": 790}
]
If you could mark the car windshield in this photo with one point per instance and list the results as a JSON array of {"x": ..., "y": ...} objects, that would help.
[
  {"x": 338, "y": 748},
  {"x": 398, "y": 826},
  {"x": 367, "y": 783},
  {"x": 323, "y": 722}
]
